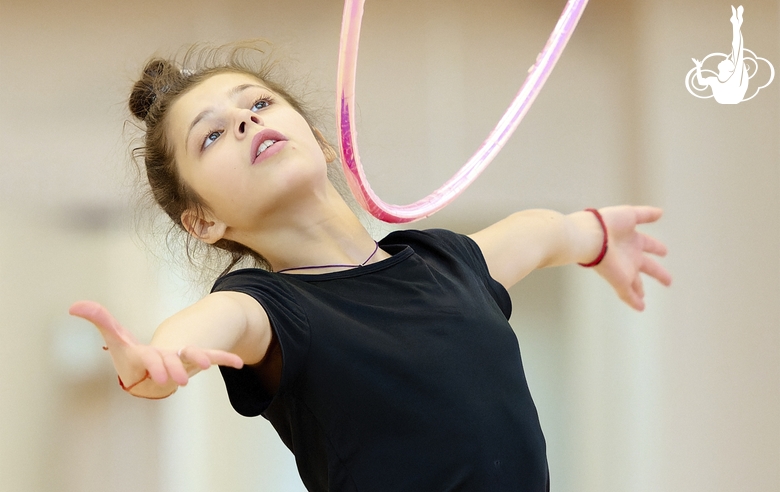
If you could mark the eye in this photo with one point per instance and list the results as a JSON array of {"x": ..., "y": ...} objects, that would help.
[
  {"x": 211, "y": 138},
  {"x": 261, "y": 103}
]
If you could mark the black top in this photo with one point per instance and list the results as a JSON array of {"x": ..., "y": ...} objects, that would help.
[{"x": 403, "y": 375}]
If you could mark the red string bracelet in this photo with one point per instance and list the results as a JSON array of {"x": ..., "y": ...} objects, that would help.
[
  {"x": 603, "y": 244},
  {"x": 146, "y": 376},
  {"x": 128, "y": 388}
]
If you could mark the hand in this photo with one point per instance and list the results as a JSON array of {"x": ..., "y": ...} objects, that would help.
[
  {"x": 628, "y": 253},
  {"x": 167, "y": 368},
  {"x": 697, "y": 62}
]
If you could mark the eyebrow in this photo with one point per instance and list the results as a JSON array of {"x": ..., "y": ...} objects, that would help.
[{"x": 203, "y": 114}]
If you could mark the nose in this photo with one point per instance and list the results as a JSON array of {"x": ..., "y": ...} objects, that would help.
[{"x": 244, "y": 120}]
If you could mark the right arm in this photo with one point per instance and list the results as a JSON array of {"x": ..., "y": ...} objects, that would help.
[
  {"x": 224, "y": 328},
  {"x": 704, "y": 82}
]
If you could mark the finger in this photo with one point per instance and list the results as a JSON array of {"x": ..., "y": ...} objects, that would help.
[
  {"x": 204, "y": 358},
  {"x": 633, "y": 299},
  {"x": 99, "y": 316},
  {"x": 646, "y": 214},
  {"x": 638, "y": 304},
  {"x": 654, "y": 269},
  {"x": 638, "y": 287},
  {"x": 175, "y": 369},
  {"x": 153, "y": 362},
  {"x": 91, "y": 311},
  {"x": 222, "y": 358},
  {"x": 196, "y": 355},
  {"x": 653, "y": 246},
  {"x": 636, "y": 301}
]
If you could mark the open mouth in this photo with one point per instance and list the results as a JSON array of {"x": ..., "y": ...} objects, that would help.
[{"x": 265, "y": 144}]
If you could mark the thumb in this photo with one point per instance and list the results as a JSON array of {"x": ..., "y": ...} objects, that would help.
[{"x": 99, "y": 316}]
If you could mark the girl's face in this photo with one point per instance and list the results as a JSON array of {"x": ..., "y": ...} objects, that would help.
[{"x": 244, "y": 150}]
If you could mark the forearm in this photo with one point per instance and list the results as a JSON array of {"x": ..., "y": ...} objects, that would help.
[
  {"x": 225, "y": 321},
  {"x": 534, "y": 239},
  {"x": 699, "y": 78}
]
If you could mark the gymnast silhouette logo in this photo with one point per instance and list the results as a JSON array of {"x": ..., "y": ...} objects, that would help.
[{"x": 735, "y": 71}]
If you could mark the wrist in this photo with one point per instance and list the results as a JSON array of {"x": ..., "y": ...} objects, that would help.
[
  {"x": 598, "y": 238},
  {"x": 147, "y": 388}
]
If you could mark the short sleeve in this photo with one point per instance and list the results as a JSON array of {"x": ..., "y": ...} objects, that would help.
[
  {"x": 291, "y": 327},
  {"x": 467, "y": 251},
  {"x": 497, "y": 290}
]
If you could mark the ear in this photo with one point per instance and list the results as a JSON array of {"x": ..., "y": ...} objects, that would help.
[
  {"x": 207, "y": 229},
  {"x": 327, "y": 149}
]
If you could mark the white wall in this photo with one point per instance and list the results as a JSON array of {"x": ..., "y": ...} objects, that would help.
[{"x": 685, "y": 396}]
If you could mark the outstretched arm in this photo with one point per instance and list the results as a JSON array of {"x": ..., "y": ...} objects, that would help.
[
  {"x": 533, "y": 239},
  {"x": 701, "y": 80},
  {"x": 224, "y": 328}
]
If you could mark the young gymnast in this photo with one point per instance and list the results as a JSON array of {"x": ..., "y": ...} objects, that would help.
[
  {"x": 731, "y": 84},
  {"x": 385, "y": 365}
]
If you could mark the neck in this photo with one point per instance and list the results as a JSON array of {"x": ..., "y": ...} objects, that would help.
[{"x": 323, "y": 231}]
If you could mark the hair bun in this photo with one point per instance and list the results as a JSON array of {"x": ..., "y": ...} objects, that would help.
[{"x": 157, "y": 76}]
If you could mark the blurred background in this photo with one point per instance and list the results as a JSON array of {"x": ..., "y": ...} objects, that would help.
[{"x": 682, "y": 397}]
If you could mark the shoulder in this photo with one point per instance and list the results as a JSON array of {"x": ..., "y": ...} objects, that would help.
[
  {"x": 443, "y": 245},
  {"x": 253, "y": 281},
  {"x": 272, "y": 291},
  {"x": 439, "y": 242},
  {"x": 457, "y": 251},
  {"x": 442, "y": 239},
  {"x": 242, "y": 277}
]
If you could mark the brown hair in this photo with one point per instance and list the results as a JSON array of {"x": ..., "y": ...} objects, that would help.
[{"x": 162, "y": 82}]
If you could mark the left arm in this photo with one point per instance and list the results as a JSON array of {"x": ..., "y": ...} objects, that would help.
[
  {"x": 532, "y": 239},
  {"x": 704, "y": 82}
]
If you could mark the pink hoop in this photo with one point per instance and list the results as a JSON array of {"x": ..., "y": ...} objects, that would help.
[{"x": 350, "y": 35}]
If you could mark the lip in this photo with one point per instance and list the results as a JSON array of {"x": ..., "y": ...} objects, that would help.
[{"x": 261, "y": 137}]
